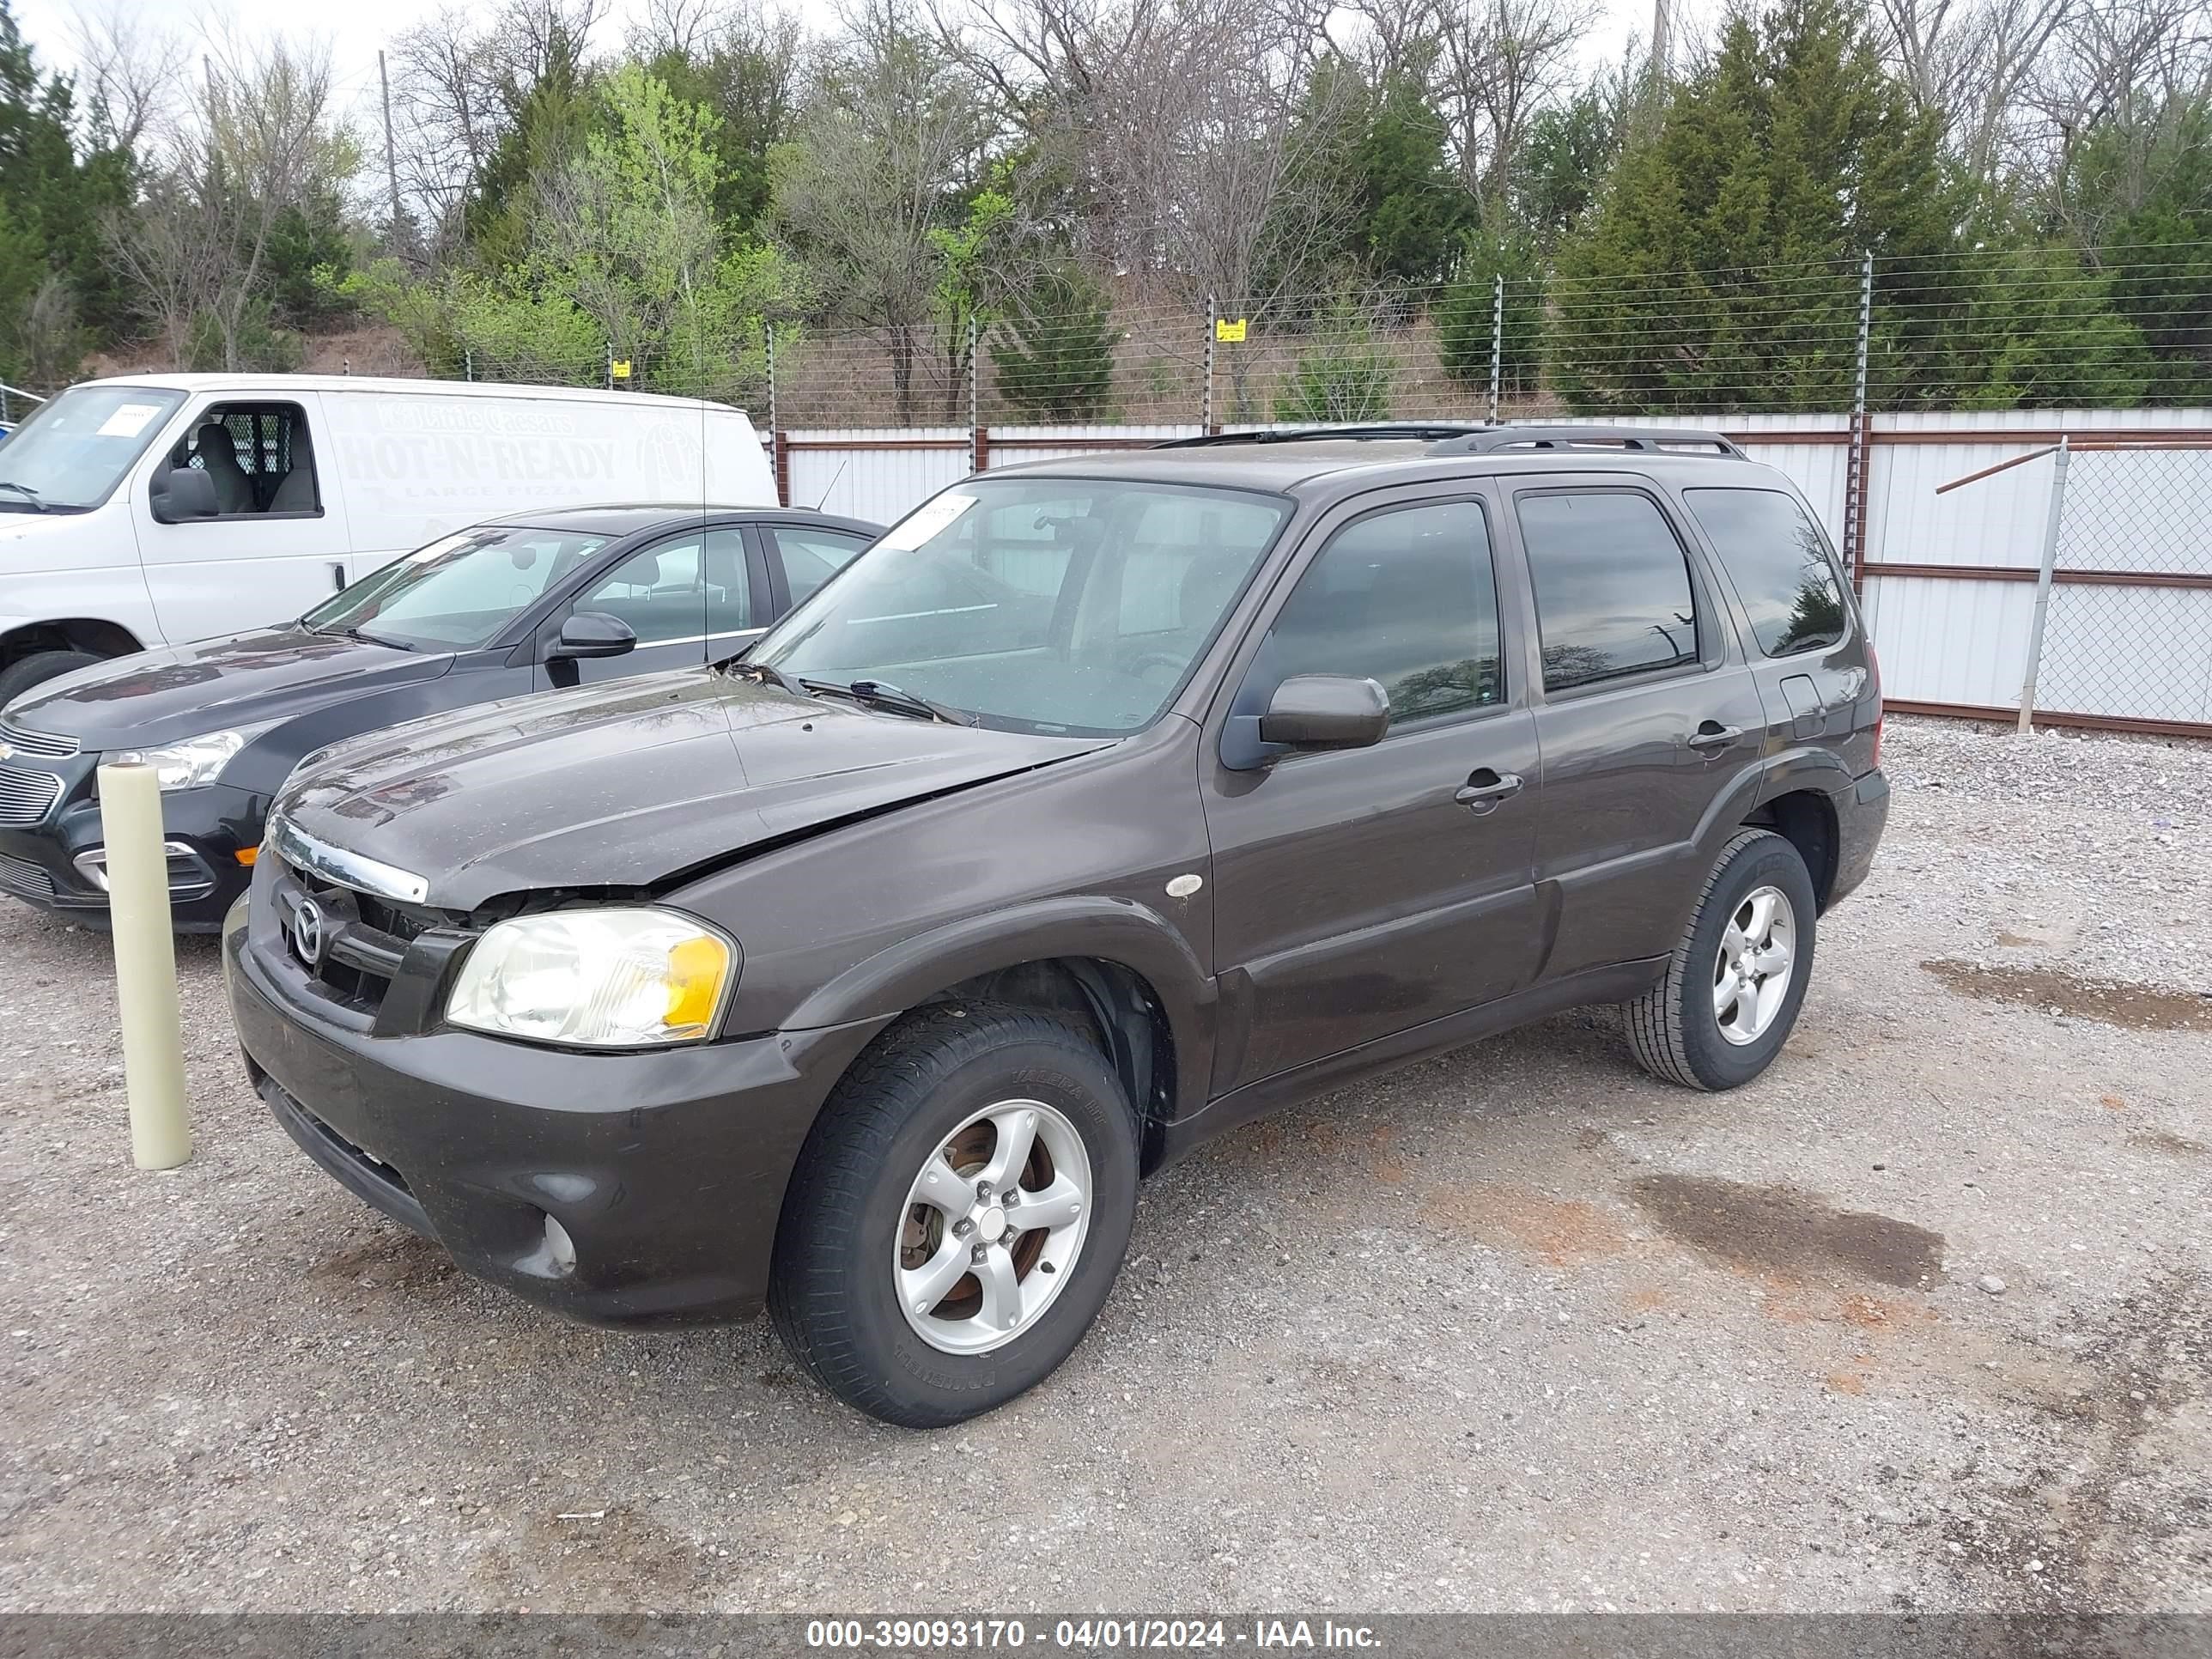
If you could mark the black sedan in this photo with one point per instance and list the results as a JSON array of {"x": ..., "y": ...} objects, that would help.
[{"x": 531, "y": 603}]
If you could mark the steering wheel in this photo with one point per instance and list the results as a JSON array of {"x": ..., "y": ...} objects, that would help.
[{"x": 1144, "y": 663}]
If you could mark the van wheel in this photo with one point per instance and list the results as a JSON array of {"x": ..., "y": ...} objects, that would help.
[
  {"x": 20, "y": 676},
  {"x": 957, "y": 1215},
  {"x": 1733, "y": 987}
]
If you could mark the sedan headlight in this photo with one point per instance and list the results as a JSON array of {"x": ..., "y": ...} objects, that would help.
[
  {"x": 597, "y": 978},
  {"x": 196, "y": 761}
]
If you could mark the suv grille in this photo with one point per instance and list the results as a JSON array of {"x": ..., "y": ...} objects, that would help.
[
  {"x": 25, "y": 797},
  {"x": 37, "y": 743},
  {"x": 359, "y": 941}
]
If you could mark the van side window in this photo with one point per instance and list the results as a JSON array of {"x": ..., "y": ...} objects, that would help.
[
  {"x": 1612, "y": 586},
  {"x": 258, "y": 457}
]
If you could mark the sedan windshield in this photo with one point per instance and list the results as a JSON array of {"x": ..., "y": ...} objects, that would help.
[
  {"x": 72, "y": 453},
  {"x": 1071, "y": 605},
  {"x": 457, "y": 593}
]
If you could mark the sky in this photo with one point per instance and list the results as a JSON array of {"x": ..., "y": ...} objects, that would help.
[{"x": 355, "y": 32}]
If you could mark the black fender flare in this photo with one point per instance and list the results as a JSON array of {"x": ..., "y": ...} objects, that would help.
[{"x": 1094, "y": 926}]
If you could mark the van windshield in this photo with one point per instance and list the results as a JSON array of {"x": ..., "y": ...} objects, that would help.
[
  {"x": 72, "y": 453},
  {"x": 456, "y": 593},
  {"x": 1063, "y": 605}
]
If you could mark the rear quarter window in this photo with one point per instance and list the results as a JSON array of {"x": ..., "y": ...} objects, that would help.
[{"x": 1774, "y": 555}]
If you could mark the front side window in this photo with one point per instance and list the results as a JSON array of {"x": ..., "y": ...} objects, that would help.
[
  {"x": 459, "y": 591},
  {"x": 1612, "y": 586},
  {"x": 1406, "y": 598},
  {"x": 258, "y": 457},
  {"x": 74, "y": 450},
  {"x": 1072, "y": 605},
  {"x": 810, "y": 557},
  {"x": 1779, "y": 565},
  {"x": 658, "y": 592}
]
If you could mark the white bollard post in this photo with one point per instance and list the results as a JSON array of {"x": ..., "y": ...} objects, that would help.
[{"x": 145, "y": 965}]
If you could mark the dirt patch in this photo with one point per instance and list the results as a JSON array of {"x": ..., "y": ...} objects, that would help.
[
  {"x": 590, "y": 1558},
  {"x": 2174, "y": 1146},
  {"x": 2109, "y": 1001},
  {"x": 394, "y": 1259},
  {"x": 1781, "y": 1231},
  {"x": 1561, "y": 1232}
]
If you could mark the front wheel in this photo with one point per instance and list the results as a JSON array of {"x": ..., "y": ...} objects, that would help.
[
  {"x": 957, "y": 1215},
  {"x": 1733, "y": 987}
]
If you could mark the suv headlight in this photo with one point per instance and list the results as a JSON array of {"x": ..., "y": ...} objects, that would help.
[
  {"x": 196, "y": 761},
  {"x": 597, "y": 978}
]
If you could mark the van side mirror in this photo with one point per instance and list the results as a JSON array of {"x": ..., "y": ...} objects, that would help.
[
  {"x": 182, "y": 495},
  {"x": 1326, "y": 711},
  {"x": 592, "y": 634}
]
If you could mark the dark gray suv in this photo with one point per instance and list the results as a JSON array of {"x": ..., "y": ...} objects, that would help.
[{"x": 1101, "y": 806}]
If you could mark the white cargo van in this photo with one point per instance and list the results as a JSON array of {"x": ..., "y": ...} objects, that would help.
[{"x": 153, "y": 510}]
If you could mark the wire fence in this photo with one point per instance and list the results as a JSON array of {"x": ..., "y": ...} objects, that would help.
[{"x": 1871, "y": 334}]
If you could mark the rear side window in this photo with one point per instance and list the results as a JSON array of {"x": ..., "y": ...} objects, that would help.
[
  {"x": 1779, "y": 565},
  {"x": 810, "y": 557},
  {"x": 1612, "y": 586},
  {"x": 1406, "y": 598}
]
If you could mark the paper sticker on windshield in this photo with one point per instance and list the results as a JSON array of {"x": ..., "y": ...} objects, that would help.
[
  {"x": 927, "y": 520},
  {"x": 128, "y": 421}
]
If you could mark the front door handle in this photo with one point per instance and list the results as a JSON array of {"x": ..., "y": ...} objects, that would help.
[
  {"x": 1712, "y": 737},
  {"x": 1484, "y": 789}
]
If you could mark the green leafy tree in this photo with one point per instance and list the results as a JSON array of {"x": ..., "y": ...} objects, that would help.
[
  {"x": 1381, "y": 158},
  {"x": 1465, "y": 315},
  {"x": 1345, "y": 375},
  {"x": 2039, "y": 331},
  {"x": 1719, "y": 269},
  {"x": 1053, "y": 348}
]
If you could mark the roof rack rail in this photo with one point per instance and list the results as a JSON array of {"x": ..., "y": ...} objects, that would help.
[
  {"x": 1402, "y": 431},
  {"x": 1644, "y": 440},
  {"x": 1478, "y": 438}
]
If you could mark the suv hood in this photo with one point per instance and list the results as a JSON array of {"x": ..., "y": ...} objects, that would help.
[
  {"x": 625, "y": 785},
  {"x": 242, "y": 679}
]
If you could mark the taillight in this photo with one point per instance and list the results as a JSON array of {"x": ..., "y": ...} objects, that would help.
[{"x": 1874, "y": 667}]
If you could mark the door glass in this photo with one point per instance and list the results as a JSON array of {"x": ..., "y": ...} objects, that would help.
[
  {"x": 1406, "y": 598},
  {"x": 810, "y": 557},
  {"x": 1779, "y": 564},
  {"x": 1612, "y": 586},
  {"x": 657, "y": 593},
  {"x": 460, "y": 591},
  {"x": 729, "y": 584},
  {"x": 257, "y": 455}
]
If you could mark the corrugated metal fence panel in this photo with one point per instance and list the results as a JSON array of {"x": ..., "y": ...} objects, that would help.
[
  {"x": 878, "y": 475},
  {"x": 1951, "y": 642}
]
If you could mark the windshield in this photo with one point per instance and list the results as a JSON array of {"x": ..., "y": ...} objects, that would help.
[
  {"x": 1043, "y": 605},
  {"x": 74, "y": 450},
  {"x": 457, "y": 593}
]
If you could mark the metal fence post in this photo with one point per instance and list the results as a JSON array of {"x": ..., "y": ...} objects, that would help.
[
  {"x": 4, "y": 406},
  {"x": 1213, "y": 316},
  {"x": 1855, "y": 465},
  {"x": 1496, "y": 341},
  {"x": 777, "y": 464},
  {"x": 610, "y": 365},
  {"x": 2043, "y": 584},
  {"x": 977, "y": 459}
]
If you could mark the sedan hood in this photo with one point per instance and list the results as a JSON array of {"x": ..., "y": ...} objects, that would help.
[
  {"x": 625, "y": 785},
  {"x": 214, "y": 685}
]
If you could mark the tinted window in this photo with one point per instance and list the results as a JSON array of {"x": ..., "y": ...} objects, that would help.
[
  {"x": 1406, "y": 598},
  {"x": 1781, "y": 569},
  {"x": 1612, "y": 586},
  {"x": 810, "y": 557},
  {"x": 657, "y": 593},
  {"x": 730, "y": 608}
]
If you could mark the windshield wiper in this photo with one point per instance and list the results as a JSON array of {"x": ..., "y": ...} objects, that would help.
[
  {"x": 882, "y": 693},
  {"x": 27, "y": 493},
  {"x": 360, "y": 638}
]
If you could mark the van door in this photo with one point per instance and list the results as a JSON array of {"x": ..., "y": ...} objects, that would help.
[{"x": 276, "y": 545}]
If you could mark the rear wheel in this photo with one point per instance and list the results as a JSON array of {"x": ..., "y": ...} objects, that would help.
[
  {"x": 20, "y": 675},
  {"x": 1733, "y": 987},
  {"x": 958, "y": 1216}
]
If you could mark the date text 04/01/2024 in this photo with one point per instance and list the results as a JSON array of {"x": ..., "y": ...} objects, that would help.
[{"x": 1095, "y": 1635}]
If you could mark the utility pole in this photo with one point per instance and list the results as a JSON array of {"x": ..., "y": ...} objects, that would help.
[
  {"x": 390, "y": 155},
  {"x": 1662, "y": 21}
]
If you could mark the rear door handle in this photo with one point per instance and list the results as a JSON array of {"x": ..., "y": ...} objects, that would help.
[
  {"x": 1484, "y": 789},
  {"x": 1712, "y": 736}
]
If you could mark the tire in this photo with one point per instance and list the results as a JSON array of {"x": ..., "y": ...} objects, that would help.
[
  {"x": 20, "y": 676},
  {"x": 1679, "y": 1030},
  {"x": 859, "y": 1244}
]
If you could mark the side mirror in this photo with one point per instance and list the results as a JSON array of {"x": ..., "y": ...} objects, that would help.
[
  {"x": 1326, "y": 711},
  {"x": 183, "y": 494},
  {"x": 592, "y": 634}
]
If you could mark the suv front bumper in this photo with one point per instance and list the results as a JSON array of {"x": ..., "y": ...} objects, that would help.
[{"x": 665, "y": 1169}]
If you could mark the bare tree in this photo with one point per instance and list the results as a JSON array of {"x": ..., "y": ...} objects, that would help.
[
  {"x": 129, "y": 72},
  {"x": 1500, "y": 64},
  {"x": 1970, "y": 62}
]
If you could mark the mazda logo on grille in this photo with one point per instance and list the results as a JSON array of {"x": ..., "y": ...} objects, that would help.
[{"x": 307, "y": 933}]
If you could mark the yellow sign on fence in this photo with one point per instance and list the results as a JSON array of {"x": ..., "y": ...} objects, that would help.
[
  {"x": 1231, "y": 331},
  {"x": 619, "y": 369}
]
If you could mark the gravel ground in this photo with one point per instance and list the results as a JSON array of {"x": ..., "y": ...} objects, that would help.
[{"x": 1919, "y": 1318}]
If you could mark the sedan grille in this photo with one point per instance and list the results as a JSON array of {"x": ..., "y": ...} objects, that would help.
[
  {"x": 25, "y": 797},
  {"x": 24, "y": 879},
  {"x": 41, "y": 744}
]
